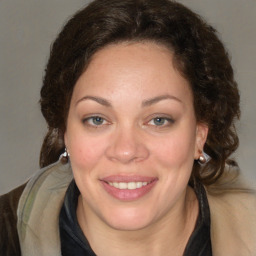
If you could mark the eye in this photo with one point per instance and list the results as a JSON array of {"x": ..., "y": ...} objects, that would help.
[
  {"x": 94, "y": 121},
  {"x": 161, "y": 121}
]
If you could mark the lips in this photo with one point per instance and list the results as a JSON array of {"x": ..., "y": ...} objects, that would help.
[{"x": 128, "y": 188}]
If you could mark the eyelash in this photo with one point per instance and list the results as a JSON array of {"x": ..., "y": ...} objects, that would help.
[
  {"x": 89, "y": 121},
  {"x": 167, "y": 121}
]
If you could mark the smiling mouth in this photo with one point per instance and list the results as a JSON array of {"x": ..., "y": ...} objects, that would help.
[
  {"x": 128, "y": 188},
  {"x": 128, "y": 185}
]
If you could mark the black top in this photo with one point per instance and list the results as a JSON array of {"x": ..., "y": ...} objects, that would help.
[{"x": 73, "y": 241}]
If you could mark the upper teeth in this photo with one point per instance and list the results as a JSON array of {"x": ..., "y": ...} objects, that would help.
[{"x": 128, "y": 185}]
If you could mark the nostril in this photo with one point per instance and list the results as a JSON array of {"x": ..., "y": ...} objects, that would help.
[
  {"x": 127, "y": 154},
  {"x": 127, "y": 146}
]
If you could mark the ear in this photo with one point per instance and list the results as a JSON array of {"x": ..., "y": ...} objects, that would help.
[{"x": 201, "y": 136}]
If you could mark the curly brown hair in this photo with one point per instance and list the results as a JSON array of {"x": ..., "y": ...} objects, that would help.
[{"x": 199, "y": 56}]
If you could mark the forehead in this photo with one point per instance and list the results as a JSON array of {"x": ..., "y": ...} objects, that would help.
[{"x": 133, "y": 68}]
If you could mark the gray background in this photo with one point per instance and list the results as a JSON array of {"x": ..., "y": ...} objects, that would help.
[{"x": 27, "y": 28}]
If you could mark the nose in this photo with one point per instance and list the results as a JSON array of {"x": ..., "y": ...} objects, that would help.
[{"x": 127, "y": 146}]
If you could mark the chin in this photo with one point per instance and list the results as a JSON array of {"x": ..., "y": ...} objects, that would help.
[{"x": 128, "y": 220}]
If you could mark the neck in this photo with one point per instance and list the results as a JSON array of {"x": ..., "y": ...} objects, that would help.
[{"x": 167, "y": 236}]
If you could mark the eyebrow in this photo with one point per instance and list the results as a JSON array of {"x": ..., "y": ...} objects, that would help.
[
  {"x": 97, "y": 99},
  {"x": 145, "y": 103},
  {"x": 154, "y": 100}
]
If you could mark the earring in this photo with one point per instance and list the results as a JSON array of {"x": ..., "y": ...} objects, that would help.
[
  {"x": 203, "y": 158},
  {"x": 64, "y": 156}
]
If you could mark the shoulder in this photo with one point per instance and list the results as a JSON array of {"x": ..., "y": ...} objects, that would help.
[
  {"x": 231, "y": 194},
  {"x": 41, "y": 200},
  {"x": 234, "y": 205},
  {"x": 233, "y": 217},
  {"x": 10, "y": 200},
  {"x": 9, "y": 242}
]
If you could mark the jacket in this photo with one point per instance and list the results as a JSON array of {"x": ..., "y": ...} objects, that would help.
[{"x": 38, "y": 203}]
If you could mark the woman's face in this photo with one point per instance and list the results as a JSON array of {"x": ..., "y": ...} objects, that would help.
[{"x": 132, "y": 135}]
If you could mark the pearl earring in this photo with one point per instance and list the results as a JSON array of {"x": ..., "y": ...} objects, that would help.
[
  {"x": 64, "y": 156},
  {"x": 203, "y": 158}
]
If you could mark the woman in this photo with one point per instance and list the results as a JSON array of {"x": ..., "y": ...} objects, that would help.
[{"x": 140, "y": 100}]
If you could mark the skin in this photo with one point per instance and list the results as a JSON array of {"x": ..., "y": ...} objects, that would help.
[{"x": 128, "y": 86}]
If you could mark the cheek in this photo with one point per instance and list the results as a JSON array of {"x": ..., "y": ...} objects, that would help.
[
  {"x": 177, "y": 150},
  {"x": 85, "y": 152}
]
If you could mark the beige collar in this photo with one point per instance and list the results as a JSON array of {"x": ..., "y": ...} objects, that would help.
[
  {"x": 38, "y": 211},
  {"x": 233, "y": 224}
]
